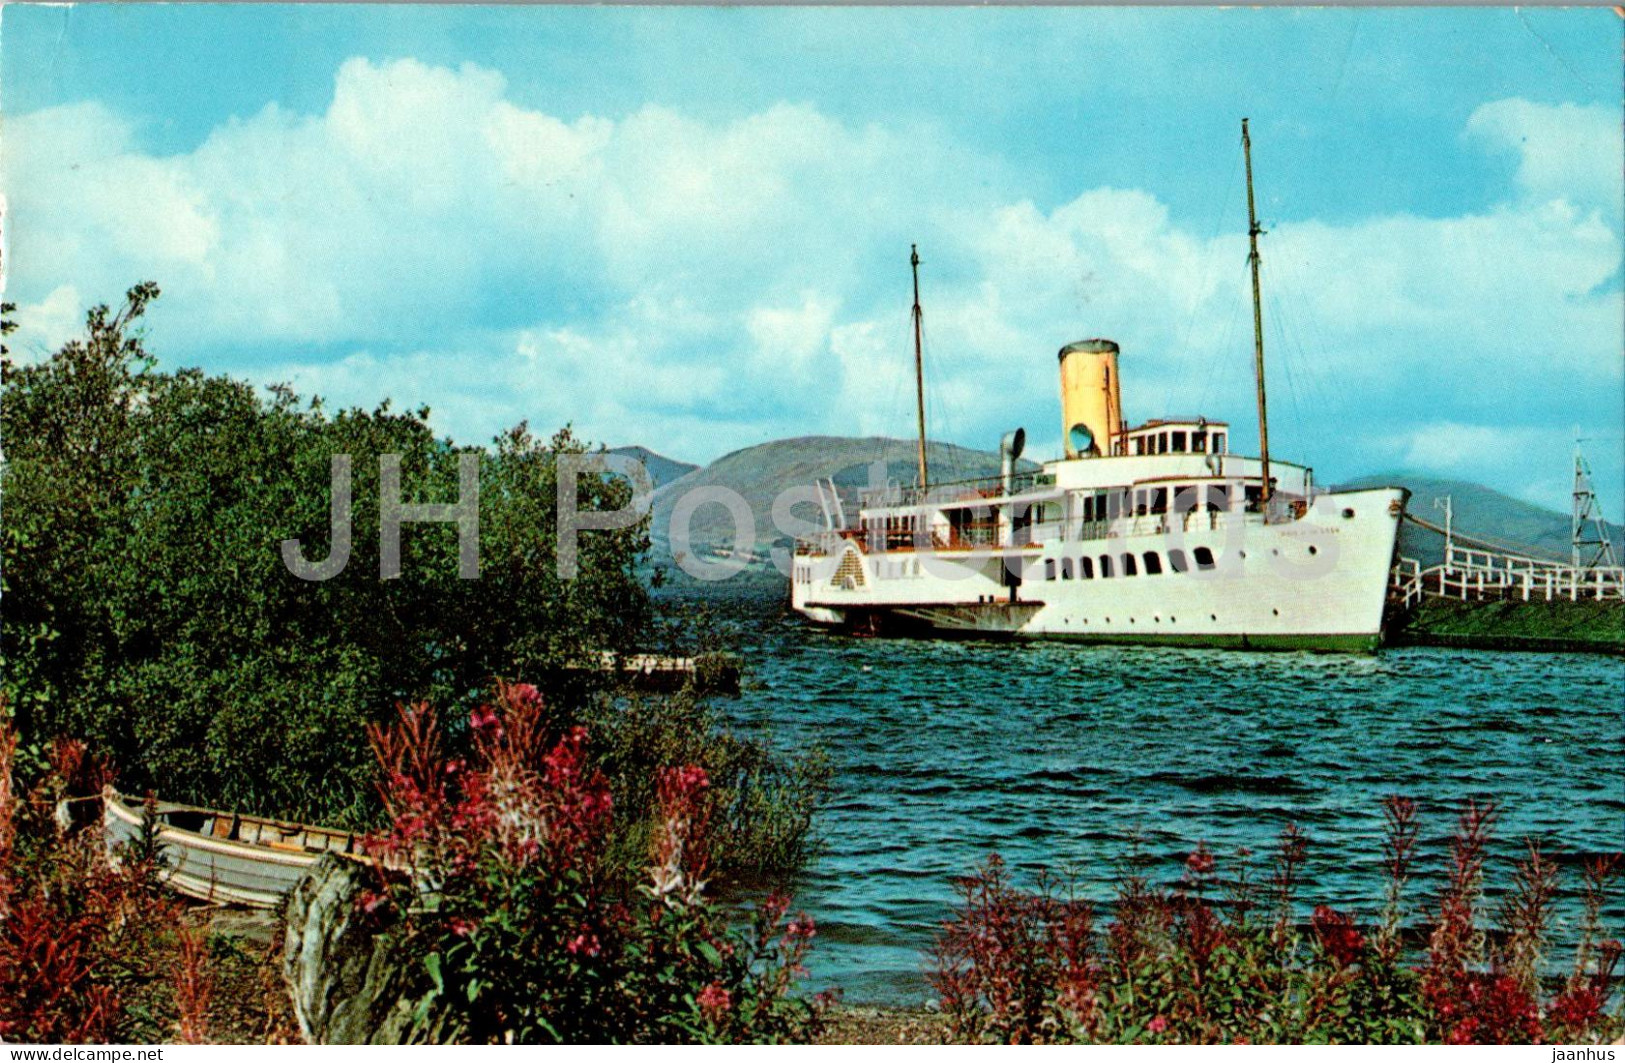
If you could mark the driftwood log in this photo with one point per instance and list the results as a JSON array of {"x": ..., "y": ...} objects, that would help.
[{"x": 351, "y": 983}]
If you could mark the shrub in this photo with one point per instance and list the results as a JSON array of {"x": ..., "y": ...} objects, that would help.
[
  {"x": 1210, "y": 960},
  {"x": 87, "y": 945},
  {"x": 149, "y": 611},
  {"x": 495, "y": 870}
]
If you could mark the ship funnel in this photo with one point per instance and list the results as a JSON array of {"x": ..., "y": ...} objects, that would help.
[
  {"x": 1091, "y": 407},
  {"x": 1010, "y": 447}
]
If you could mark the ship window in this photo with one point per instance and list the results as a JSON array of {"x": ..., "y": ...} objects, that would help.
[
  {"x": 1139, "y": 445},
  {"x": 1153, "y": 563},
  {"x": 1086, "y": 568},
  {"x": 1218, "y": 498},
  {"x": 1066, "y": 568},
  {"x": 1204, "y": 558},
  {"x": 1179, "y": 442},
  {"x": 1049, "y": 569},
  {"x": 1140, "y": 504},
  {"x": 1105, "y": 566},
  {"x": 1218, "y": 443},
  {"x": 1162, "y": 442},
  {"x": 1129, "y": 568},
  {"x": 1198, "y": 442},
  {"x": 1177, "y": 561},
  {"x": 1159, "y": 500}
]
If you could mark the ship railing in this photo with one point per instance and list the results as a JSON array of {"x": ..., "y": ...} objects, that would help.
[{"x": 895, "y": 495}]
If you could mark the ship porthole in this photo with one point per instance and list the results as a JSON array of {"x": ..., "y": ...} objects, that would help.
[
  {"x": 1277, "y": 612},
  {"x": 1213, "y": 616},
  {"x": 1313, "y": 550},
  {"x": 1348, "y": 514}
]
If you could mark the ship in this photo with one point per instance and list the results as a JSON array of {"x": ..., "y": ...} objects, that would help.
[{"x": 1149, "y": 533}]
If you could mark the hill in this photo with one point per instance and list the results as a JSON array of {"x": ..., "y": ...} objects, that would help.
[
  {"x": 662, "y": 470},
  {"x": 761, "y": 473},
  {"x": 1482, "y": 513}
]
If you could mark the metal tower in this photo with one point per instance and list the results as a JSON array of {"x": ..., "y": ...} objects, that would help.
[{"x": 1590, "y": 546}]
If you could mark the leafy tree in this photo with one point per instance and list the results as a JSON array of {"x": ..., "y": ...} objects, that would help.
[{"x": 149, "y": 611}]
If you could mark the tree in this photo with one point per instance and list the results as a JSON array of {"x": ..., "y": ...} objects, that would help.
[{"x": 148, "y": 609}]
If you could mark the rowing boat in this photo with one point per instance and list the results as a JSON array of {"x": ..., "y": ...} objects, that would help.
[{"x": 227, "y": 857}]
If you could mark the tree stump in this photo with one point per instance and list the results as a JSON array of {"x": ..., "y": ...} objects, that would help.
[{"x": 351, "y": 983}]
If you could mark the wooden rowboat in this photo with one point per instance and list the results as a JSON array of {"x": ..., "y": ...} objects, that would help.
[{"x": 225, "y": 857}]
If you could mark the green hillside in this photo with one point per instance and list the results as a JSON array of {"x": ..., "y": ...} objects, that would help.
[
  {"x": 1482, "y": 513},
  {"x": 662, "y": 470}
]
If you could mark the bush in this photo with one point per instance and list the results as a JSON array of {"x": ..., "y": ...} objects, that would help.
[
  {"x": 149, "y": 611},
  {"x": 495, "y": 870},
  {"x": 1214, "y": 961},
  {"x": 762, "y": 799},
  {"x": 89, "y": 949}
]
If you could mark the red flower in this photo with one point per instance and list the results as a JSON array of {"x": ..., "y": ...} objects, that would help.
[
  {"x": 482, "y": 718},
  {"x": 524, "y": 695},
  {"x": 1200, "y": 862},
  {"x": 1338, "y": 935},
  {"x": 1157, "y": 1025},
  {"x": 714, "y": 1001},
  {"x": 584, "y": 944}
]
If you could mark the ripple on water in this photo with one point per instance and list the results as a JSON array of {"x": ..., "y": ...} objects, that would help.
[{"x": 1058, "y": 754}]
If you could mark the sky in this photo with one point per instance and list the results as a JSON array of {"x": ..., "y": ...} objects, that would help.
[{"x": 690, "y": 228}]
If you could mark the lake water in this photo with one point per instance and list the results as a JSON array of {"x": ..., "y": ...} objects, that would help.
[{"x": 1057, "y": 754}]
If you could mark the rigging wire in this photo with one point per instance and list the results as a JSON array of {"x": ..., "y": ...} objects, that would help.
[
  {"x": 1286, "y": 359},
  {"x": 1224, "y": 354},
  {"x": 1213, "y": 263}
]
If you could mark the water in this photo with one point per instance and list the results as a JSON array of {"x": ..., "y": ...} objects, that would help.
[{"x": 1058, "y": 755}]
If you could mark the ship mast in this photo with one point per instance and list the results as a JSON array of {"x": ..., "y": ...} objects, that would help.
[
  {"x": 1253, "y": 232},
  {"x": 919, "y": 370}
]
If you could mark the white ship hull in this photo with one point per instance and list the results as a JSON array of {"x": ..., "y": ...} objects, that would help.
[{"x": 1312, "y": 581}]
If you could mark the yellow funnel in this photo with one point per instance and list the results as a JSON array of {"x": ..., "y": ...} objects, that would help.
[{"x": 1091, "y": 409}]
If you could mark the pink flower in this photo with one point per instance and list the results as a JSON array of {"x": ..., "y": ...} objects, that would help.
[
  {"x": 481, "y": 718},
  {"x": 584, "y": 943},
  {"x": 524, "y": 694},
  {"x": 714, "y": 1001},
  {"x": 461, "y": 927},
  {"x": 1157, "y": 1025}
]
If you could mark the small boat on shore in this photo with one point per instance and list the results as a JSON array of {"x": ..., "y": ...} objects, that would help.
[{"x": 227, "y": 857}]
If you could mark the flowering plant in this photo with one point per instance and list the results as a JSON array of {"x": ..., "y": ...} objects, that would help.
[
  {"x": 1180, "y": 965},
  {"x": 495, "y": 871}
]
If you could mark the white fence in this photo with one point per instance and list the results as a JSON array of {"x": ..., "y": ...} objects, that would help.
[{"x": 1479, "y": 575}]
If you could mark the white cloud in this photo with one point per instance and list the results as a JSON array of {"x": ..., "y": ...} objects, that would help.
[
  {"x": 1565, "y": 151},
  {"x": 44, "y": 326},
  {"x": 702, "y": 285}
]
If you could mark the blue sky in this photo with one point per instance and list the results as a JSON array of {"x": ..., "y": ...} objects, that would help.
[{"x": 689, "y": 228}]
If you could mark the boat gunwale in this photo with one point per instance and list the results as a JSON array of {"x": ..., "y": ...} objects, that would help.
[{"x": 264, "y": 852}]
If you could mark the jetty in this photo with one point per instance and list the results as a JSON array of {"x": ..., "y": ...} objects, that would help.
[{"x": 1487, "y": 595}]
